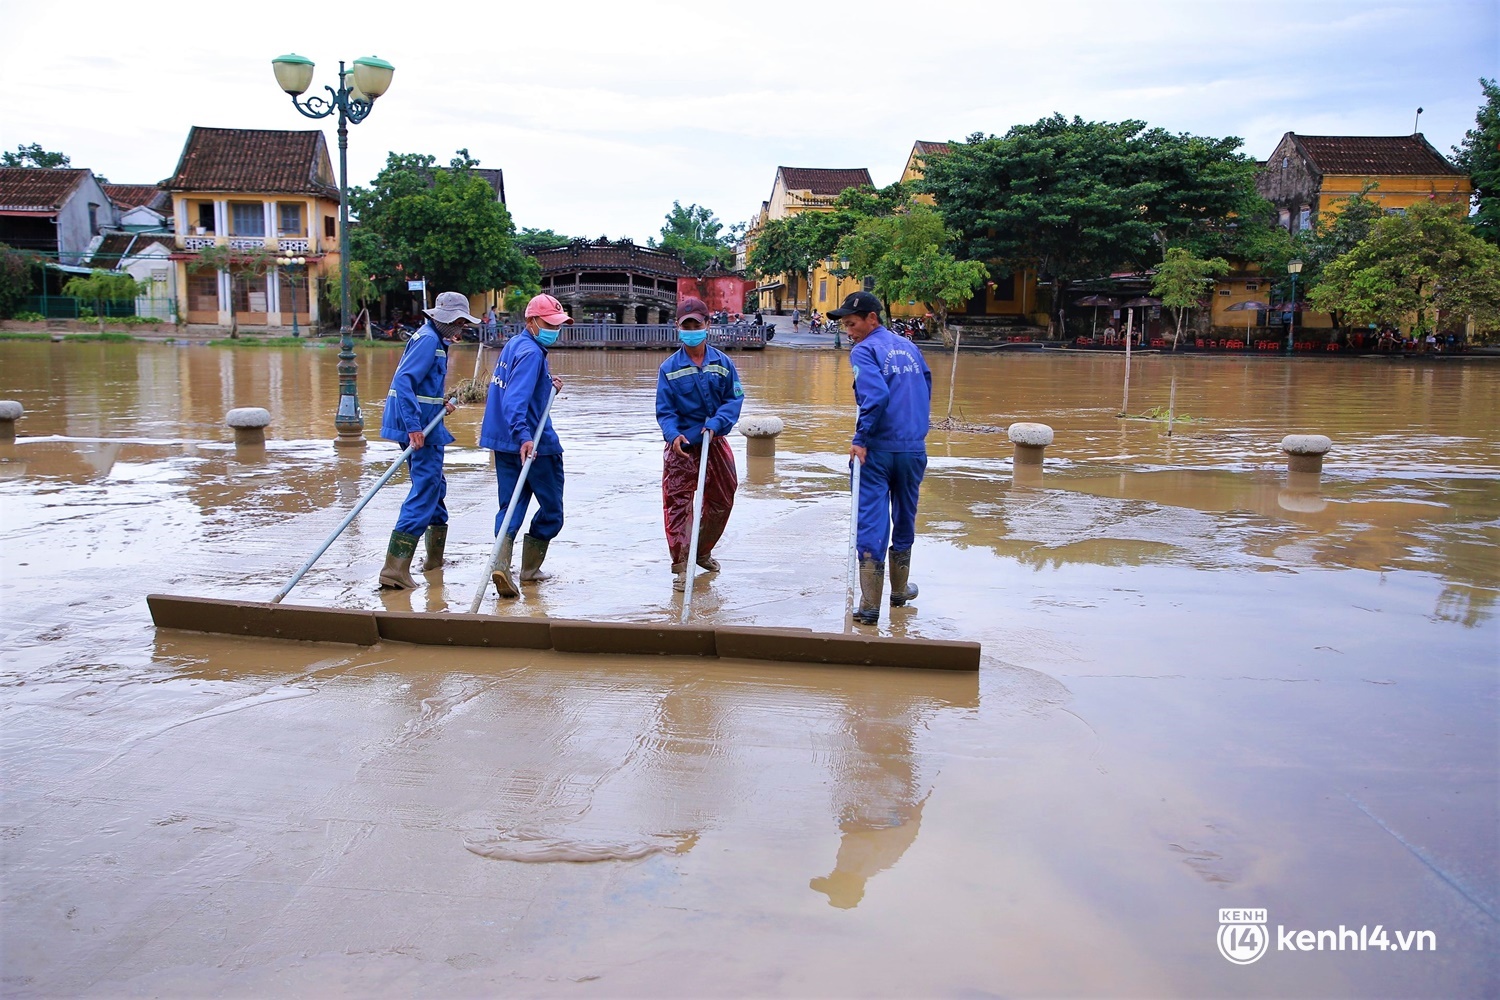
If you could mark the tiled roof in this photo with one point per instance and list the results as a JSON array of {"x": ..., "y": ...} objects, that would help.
[
  {"x": 245, "y": 159},
  {"x": 37, "y": 187},
  {"x": 114, "y": 246},
  {"x": 822, "y": 180},
  {"x": 128, "y": 196},
  {"x": 1373, "y": 155},
  {"x": 602, "y": 255},
  {"x": 496, "y": 177},
  {"x": 924, "y": 148}
]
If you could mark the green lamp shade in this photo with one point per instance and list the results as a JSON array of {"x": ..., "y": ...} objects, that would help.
[
  {"x": 294, "y": 73},
  {"x": 372, "y": 75}
]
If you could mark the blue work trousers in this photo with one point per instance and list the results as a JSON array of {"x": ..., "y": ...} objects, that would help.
[
  {"x": 544, "y": 481},
  {"x": 424, "y": 505},
  {"x": 890, "y": 483}
]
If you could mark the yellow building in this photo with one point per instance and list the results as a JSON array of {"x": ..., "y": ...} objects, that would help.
[
  {"x": 1005, "y": 294},
  {"x": 1309, "y": 174},
  {"x": 264, "y": 193},
  {"x": 797, "y": 190}
]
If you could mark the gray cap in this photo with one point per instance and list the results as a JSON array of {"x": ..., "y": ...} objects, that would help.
[{"x": 451, "y": 306}]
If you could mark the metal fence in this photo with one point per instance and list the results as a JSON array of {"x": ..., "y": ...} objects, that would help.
[
  {"x": 647, "y": 336},
  {"x": 68, "y": 307}
]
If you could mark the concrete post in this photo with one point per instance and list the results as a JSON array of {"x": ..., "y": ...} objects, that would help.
[
  {"x": 760, "y": 435},
  {"x": 10, "y": 412},
  {"x": 1304, "y": 452},
  {"x": 249, "y": 423},
  {"x": 1031, "y": 441}
]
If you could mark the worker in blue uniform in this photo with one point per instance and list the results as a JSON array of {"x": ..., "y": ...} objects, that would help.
[
  {"x": 893, "y": 389},
  {"x": 518, "y": 394},
  {"x": 697, "y": 388},
  {"x": 415, "y": 397}
]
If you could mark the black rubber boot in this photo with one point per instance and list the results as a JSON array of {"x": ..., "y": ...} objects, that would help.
[
  {"x": 533, "y": 553},
  {"x": 505, "y": 580},
  {"x": 396, "y": 573},
  {"x": 436, "y": 541},
  {"x": 871, "y": 583},
  {"x": 902, "y": 590}
]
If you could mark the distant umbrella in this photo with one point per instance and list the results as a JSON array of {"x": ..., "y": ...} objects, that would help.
[
  {"x": 1251, "y": 306},
  {"x": 1144, "y": 301},
  {"x": 1096, "y": 301}
]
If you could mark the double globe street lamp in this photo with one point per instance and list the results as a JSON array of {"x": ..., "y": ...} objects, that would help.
[
  {"x": 1294, "y": 268},
  {"x": 292, "y": 265},
  {"x": 351, "y": 102}
]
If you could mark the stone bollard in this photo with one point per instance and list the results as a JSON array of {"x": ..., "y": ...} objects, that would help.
[
  {"x": 1304, "y": 452},
  {"x": 1031, "y": 440},
  {"x": 10, "y": 412},
  {"x": 249, "y": 423},
  {"x": 760, "y": 435}
]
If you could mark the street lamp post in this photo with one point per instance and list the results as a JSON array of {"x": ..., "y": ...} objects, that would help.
[
  {"x": 291, "y": 265},
  {"x": 1294, "y": 268},
  {"x": 351, "y": 102}
]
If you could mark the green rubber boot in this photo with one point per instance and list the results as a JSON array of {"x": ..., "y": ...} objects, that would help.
[
  {"x": 901, "y": 589},
  {"x": 533, "y": 552},
  {"x": 505, "y": 580},
  {"x": 871, "y": 583},
  {"x": 396, "y": 573},
  {"x": 436, "y": 541}
]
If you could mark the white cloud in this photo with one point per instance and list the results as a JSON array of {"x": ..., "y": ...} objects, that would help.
[{"x": 602, "y": 113}]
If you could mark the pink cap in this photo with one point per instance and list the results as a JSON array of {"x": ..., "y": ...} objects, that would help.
[{"x": 548, "y": 310}]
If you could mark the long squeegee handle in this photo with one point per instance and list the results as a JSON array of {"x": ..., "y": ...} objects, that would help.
[
  {"x": 515, "y": 496},
  {"x": 369, "y": 495},
  {"x": 692, "y": 559},
  {"x": 854, "y": 464}
]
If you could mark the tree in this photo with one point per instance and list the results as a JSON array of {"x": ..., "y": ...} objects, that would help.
[
  {"x": 238, "y": 264},
  {"x": 791, "y": 245},
  {"x": 17, "y": 278},
  {"x": 100, "y": 287},
  {"x": 533, "y": 240},
  {"x": 1074, "y": 199},
  {"x": 1335, "y": 232},
  {"x": 1479, "y": 156},
  {"x": 905, "y": 254},
  {"x": 34, "y": 156},
  {"x": 693, "y": 234},
  {"x": 331, "y": 289},
  {"x": 1182, "y": 280},
  {"x": 443, "y": 224},
  {"x": 1418, "y": 266}
]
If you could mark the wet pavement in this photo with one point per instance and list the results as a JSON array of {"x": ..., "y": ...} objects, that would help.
[{"x": 1202, "y": 688}]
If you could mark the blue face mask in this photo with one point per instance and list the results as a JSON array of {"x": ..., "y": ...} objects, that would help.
[
  {"x": 692, "y": 338},
  {"x": 547, "y": 337}
]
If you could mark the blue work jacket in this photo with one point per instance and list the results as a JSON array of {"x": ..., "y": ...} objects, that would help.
[
  {"x": 893, "y": 387},
  {"x": 416, "y": 394},
  {"x": 518, "y": 394},
  {"x": 689, "y": 398}
]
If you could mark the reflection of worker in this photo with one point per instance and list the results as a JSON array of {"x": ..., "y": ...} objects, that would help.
[
  {"x": 518, "y": 394},
  {"x": 893, "y": 387},
  {"x": 697, "y": 388},
  {"x": 878, "y": 803},
  {"x": 415, "y": 397}
]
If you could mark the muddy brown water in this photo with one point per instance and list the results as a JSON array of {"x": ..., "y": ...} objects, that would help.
[{"x": 1201, "y": 689}]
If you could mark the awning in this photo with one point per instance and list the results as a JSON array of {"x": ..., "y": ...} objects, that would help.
[
  {"x": 770, "y": 287},
  {"x": 36, "y": 213}
]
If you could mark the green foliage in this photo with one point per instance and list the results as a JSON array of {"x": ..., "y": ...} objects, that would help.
[
  {"x": 1182, "y": 280},
  {"x": 532, "y": 240},
  {"x": 693, "y": 234},
  {"x": 792, "y": 244},
  {"x": 28, "y": 317},
  {"x": 1075, "y": 199},
  {"x": 1479, "y": 156},
  {"x": 443, "y": 224},
  {"x": 34, "y": 156},
  {"x": 18, "y": 273},
  {"x": 361, "y": 289},
  {"x": 103, "y": 286},
  {"x": 1423, "y": 264},
  {"x": 905, "y": 254}
]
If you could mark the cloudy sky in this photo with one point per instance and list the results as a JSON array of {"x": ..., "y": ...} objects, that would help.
[{"x": 602, "y": 113}]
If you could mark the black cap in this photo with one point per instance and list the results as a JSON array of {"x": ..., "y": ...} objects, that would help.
[{"x": 856, "y": 302}]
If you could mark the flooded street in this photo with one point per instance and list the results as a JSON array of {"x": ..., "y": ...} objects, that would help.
[{"x": 1200, "y": 689}]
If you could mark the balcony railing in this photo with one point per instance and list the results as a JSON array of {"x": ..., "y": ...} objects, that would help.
[
  {"x": 626, "y": 336},
  {"x": 284, "y": 244},
  {"x": 614, "y": 291}
]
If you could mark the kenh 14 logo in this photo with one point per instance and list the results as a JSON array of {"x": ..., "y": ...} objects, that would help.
[{"x": 1243, "y": 937}]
